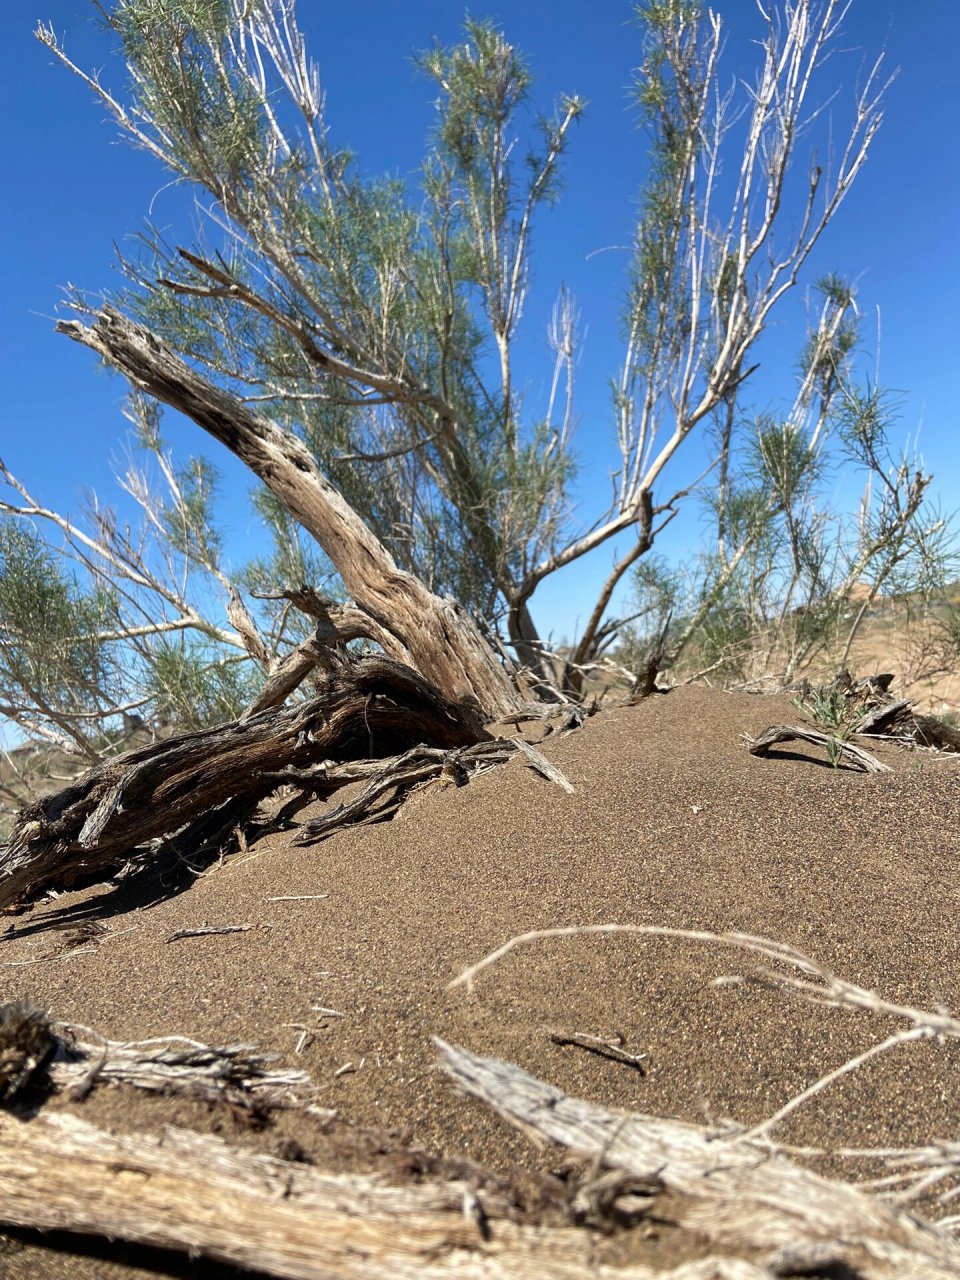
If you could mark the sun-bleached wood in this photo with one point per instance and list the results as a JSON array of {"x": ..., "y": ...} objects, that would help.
[
  {"x": 196, "y": 1194},
  {"x": 736, "y": 1195},
  {"x": 433, "y": 634}
]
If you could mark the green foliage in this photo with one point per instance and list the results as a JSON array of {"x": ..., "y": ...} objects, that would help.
[
  {"x": 382, "y": 277},
  {"x": 189, "y": 522},
  {"x": 291, "y": 564},
  {"x": 192, "y": 684},
  {"x": 828, "y": 706},
  {"x": 667, "y": 90},
  {"x": 792, "y": 578},
  {"x": 49, "y": 626},
  {"x": 781, "y": 460}
]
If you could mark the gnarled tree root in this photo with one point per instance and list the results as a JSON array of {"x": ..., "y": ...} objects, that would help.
[{"x": 213, "y": 779}]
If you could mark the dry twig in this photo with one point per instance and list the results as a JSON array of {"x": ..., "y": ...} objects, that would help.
[
  {"x": 207, "y": 930},
  {"x": 604, "y": 1046},
  {"x": 917, "y": 1170}
]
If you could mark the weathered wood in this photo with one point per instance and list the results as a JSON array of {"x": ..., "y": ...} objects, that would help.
[
  {"x": 367, "y": 706},
  {"x": 880, "y": 718},
  {"x": 543, "y": 766},
  {"x": 76, "y": 1059},
  {"x": 196, "y": 1194},
  {"x": 388, "y": 781},
  {"x": 336, "y": 626},
  {"x": 738, "y": 1195},
  {"x": 778, "y": 733},
  {"x": 434, "y": 635}
]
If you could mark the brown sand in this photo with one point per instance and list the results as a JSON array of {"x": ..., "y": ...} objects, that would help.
[{"x": 672, "y": 823}]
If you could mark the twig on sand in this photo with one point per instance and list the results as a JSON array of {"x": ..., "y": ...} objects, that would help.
[
  {"x": 73, "y": 952},
  {"x": 605, "y": 1047},
  {"x": 543, "y": 766},
  {"x": 207, "y": 930},
  {"x": 918, "y": 1169},
  {"x": 300, "y": 897},
  {"x": 305, "y": 1038},
  {"x": 349, "y": 1068}
]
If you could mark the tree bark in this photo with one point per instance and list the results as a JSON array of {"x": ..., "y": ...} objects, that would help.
[
  {"x": 434, "y": 634},
  {"x": 198, "y": 1195},
  {"x": 367, "y": 707}
]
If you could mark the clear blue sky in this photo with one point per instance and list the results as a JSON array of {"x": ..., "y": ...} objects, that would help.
[{"x": 72, "y": 190}]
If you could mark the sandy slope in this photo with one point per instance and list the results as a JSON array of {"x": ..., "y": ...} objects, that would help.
[{"x": 672, "y": 822}]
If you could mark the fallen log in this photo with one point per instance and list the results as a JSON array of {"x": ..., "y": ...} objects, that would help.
[
  {"x": 214, "y": 778},
  {"x": 198, "y": 1195}
]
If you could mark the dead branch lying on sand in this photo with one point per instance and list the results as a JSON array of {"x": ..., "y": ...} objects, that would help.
[
  {"x": 390, "y": 780},
  {"x": 202, "y": 785},
  {"x": 910, "y": 1172},
  {"x": 195, "y": 1194},
  {"x": 766, "y": 1216},
  {"x": 861, "y": 708},
  {"x": 237, "y": 1074},
  {"x": 835, "y": 746},
  {"x": 76, "y": 1059},
  {"x": 728, "y": 1192}
]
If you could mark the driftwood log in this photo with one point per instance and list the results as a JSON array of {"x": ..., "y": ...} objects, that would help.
[{"x": 210, "y": 780}]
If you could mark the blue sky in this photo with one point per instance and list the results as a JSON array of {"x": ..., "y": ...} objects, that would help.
[{"x": 73, "y": 190}]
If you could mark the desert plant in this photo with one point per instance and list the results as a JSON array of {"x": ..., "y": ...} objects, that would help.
[
  {"x": 790, "y": 579},
  {"x": 354, "y": 312}
]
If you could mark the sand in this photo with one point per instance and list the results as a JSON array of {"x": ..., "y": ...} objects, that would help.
[{"x": 672, "y": 822}]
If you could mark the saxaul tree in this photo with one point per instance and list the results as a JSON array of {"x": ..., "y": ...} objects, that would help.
[
  {"x": 789, "y": 577},
  {"x": 331, "y": 330}
]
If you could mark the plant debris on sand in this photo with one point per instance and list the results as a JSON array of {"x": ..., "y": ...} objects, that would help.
[{"x": 344, "y": 968}]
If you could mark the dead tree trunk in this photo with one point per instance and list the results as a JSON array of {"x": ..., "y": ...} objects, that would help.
[{"x": 434, "y": 635}]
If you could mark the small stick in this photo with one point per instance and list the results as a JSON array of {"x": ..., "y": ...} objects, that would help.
[
  {"x": 543, "y": 765},
  {"x": 604, "y": 1048},
  {"x": 331, "y": 1013},
  {"x": 72, "y": 954},
  {"x": 207, "y": 930},
  {"x": 305, "y": 1037},
  {"x": 300, "y": 897}
]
